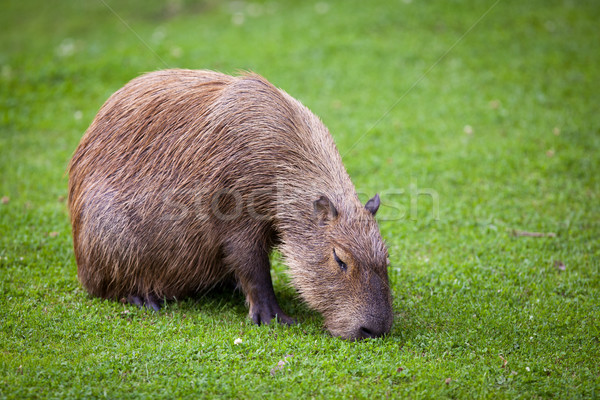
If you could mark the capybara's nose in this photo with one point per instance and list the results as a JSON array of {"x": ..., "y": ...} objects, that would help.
[{"x": 370, "y": 332}]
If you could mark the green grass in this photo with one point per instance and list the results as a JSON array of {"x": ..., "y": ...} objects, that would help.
[{"x": 500, "y": 121}]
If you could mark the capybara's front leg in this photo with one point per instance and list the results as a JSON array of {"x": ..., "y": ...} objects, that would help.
[
  {"x": 253, "y": 272},
  {"x": 261, "y": 298}
]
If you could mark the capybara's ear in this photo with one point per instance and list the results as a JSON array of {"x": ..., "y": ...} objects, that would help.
[
  {"x": 324, "y": 210},
  {"x": 373, "y": 204}
]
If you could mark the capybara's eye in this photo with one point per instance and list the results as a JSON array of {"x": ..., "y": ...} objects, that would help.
[{"x": 342, "y": 264}]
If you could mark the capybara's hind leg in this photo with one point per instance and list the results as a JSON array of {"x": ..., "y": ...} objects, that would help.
[{"x": 151, "y": 302}]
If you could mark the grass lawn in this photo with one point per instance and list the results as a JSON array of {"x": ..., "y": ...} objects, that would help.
[{"x": 478, "y": 122}]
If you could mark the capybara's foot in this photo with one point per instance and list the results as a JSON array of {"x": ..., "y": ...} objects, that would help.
[
  {"x": 264, "y": 313},
  {"x": 150, "y": 302}
]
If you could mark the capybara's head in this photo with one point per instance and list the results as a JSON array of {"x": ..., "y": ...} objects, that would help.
[{"x": 346, "y": 278}]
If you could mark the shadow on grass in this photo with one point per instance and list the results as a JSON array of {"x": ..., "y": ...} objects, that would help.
[{"x": 228, "y": 301}]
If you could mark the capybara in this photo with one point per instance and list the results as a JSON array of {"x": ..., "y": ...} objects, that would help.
[{"x": 188, "y": 179}]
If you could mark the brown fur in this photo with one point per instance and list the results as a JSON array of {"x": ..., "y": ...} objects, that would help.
[{"x": 188, "y": 179}]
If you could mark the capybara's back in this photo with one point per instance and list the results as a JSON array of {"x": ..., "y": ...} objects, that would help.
[{"x": 187, "y": 179}]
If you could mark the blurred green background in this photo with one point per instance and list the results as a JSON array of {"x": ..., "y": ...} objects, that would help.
[{"x": 476, "y": 121}]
